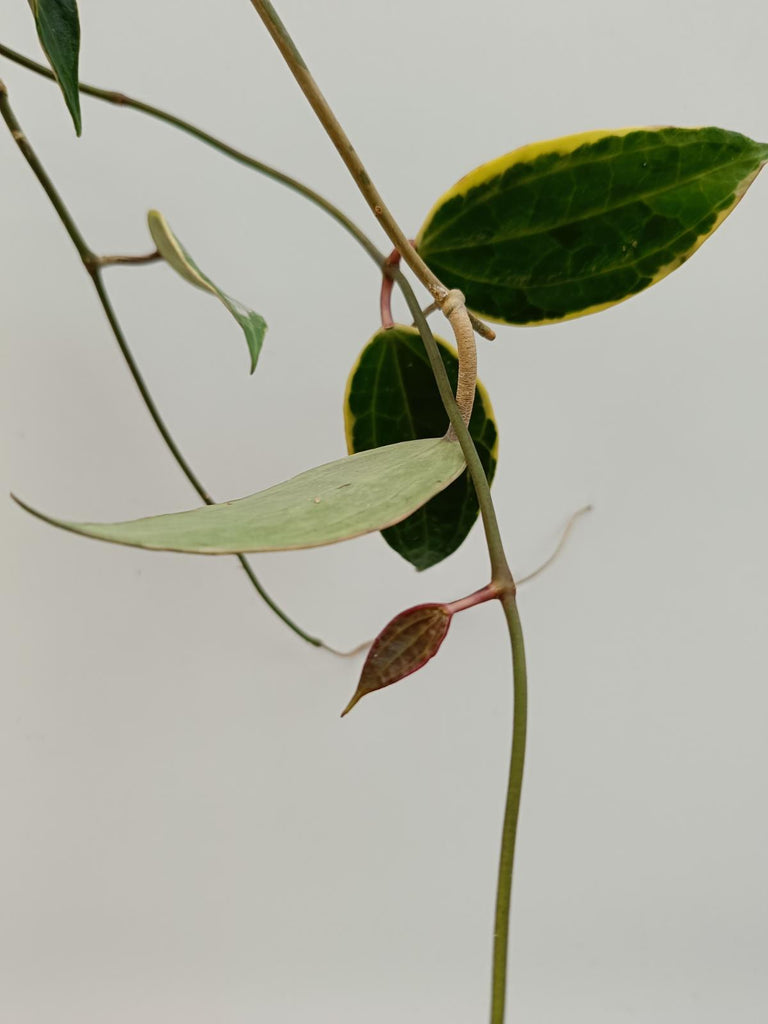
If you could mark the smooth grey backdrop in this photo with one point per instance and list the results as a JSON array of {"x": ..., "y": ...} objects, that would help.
[{"x": 189, "y": 832}]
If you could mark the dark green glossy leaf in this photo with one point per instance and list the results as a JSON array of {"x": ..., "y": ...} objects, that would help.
[
  {"x": 173, "y": 252},
  {"x": 402, "y": 647},
  {"x": 343, "y": 499},
  {"x": 571, "y": 226},
  {"x": 392, "y": 396},
  {"x": 58, "y": 28}
]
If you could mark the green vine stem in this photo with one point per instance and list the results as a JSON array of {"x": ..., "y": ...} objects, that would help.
[
  {"x": 519, "y": 667},
  {"x": 500, "y": 569},
  {"x": 120, "y": 99},
  {"x": 502, "y": 577},
  {"x": 93, "y": 264},
  {"x": 348, "y": 154},
  {"x": 379, "y": 258},
  {"x": 462, "y": 323},
  {"x": 511, "y": 811}
]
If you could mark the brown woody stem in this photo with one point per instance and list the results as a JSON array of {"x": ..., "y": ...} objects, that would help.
[
  {"x": 110, "y": 261},
  {"x": 501, "y": 574},
  {"x": 354, "y": 164}
]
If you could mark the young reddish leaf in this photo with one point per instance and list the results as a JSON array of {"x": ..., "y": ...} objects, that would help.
[{"x": 403, "y": 646}]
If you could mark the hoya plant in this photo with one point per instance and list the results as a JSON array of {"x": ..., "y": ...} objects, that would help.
[{"x": 543, "y": 234}]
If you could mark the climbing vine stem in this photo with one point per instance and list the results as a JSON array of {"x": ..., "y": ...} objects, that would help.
[
  {"x": 501, "y": 574},
  {"x": 499, "y": 566},
  {"x": 93, "y": 264}
]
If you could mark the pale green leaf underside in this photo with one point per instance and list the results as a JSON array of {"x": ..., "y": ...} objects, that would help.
[
  {"x": 337, "y": 501},
  {"x": 253, "y": 325}
]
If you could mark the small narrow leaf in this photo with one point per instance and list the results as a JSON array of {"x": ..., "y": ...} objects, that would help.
[
  {"x": 403, "y": 646},
  {"x": 173, "y": 252},
  {"x": 571, "y": 226},
  {"x": 340, "y": 500},
  {"x": 58, "y": 28},
  {"x": 392, "y": 396}
]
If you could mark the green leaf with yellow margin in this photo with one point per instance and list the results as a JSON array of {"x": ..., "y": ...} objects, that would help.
[
  {"x": 392, "y": 396},
  {"x": 568, "y": 227},
  {"x": 173, "y": 252},
  {"x": 340, "y": 500},
  {"x": 58, "y": 28}
]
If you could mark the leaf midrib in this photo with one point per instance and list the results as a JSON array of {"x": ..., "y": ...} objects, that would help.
[
  {"x": 594, "y": 213},
  {"x": 528, "y": 286}
]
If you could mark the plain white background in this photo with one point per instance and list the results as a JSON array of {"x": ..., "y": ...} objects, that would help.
[{"x": 189, "y": 832}]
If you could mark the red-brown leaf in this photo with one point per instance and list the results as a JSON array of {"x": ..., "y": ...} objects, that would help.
[{"x": 403, "y": 646}]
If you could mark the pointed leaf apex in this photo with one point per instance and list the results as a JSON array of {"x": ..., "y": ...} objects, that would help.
[
  {"x": 403, "y": 646},
  {"x": 252, "y": 324},
  {"x": 58, "y": 28},
  {"x": 355, "y": 699}
]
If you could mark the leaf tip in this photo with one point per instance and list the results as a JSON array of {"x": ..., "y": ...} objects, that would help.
[
  {"x": 255, "y": 348},
  {"x": 28, "y": 508},
  {"x": 58, "y": 29},
  {"x": 32, "y": 511},
  {"x": 351, "y": 704},
  {"x": 155, "y": 222}
]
